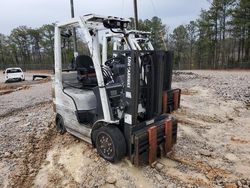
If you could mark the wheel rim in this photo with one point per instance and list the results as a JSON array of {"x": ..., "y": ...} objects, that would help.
[{"x": 106, "y": 145}]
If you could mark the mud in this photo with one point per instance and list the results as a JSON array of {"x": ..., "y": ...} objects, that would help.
[
  {"x": 25, "y": 138},
  {"x": 16, "y": 96},
  {"x": 6, "y": 89},
  {"x": 212, "y": 149}
]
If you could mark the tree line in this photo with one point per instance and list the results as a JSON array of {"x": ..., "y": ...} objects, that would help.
[
  {"x": 218, "y": 39},
  {"x": 27, "y": 45}
]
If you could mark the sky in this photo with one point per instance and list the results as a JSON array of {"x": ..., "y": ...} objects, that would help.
[{"x": 35, "y": 13}]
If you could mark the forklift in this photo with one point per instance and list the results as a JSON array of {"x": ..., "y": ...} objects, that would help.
[{"x": 120, "y": 105}]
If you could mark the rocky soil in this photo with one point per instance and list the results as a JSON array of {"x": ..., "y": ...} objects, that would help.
[
  {"x": 231, "y": 85},
  {"x": 20, "y": 95},
  {"x": 212, "y": 150},
  {"x": 25, "y": 138}
]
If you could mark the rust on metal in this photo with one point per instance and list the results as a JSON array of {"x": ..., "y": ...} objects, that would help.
[
  {"x": 152, "y": 138},
  {"x": 176, "y": 96},
  {"x": 165, "y": 102},
  {"x": 168, "y": 135}
]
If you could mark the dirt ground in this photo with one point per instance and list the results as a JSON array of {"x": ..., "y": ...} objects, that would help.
[{"x": 212, "y": 150}]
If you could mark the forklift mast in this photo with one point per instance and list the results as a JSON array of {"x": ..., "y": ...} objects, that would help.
[{"x": 149, "y": 93}]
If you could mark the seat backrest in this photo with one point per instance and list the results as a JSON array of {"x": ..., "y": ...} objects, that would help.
[{"x": 84, "y": 62}]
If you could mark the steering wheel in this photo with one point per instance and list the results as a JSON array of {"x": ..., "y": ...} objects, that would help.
[{"x": 111, "y": 61}]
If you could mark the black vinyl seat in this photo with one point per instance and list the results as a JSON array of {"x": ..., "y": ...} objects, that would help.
[{"x": 85, "y": 70}]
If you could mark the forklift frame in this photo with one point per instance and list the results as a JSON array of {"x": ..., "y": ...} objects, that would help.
[{"x": 146, "y": 138}]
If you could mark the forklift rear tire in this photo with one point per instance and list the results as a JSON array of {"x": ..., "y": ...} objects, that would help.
[
  {"x": 60, "y": 124},
  {"x": 110, "y": 143}
]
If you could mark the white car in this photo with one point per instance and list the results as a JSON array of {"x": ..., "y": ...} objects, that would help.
[{"x": 14, "y": 74}]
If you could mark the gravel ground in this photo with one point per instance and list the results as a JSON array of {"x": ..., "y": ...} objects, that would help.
[
  {"x": 212, "y": 149},
  {"x": 29, "y": 93},
  {"x": 24, "y": 142},
  {"x": 231, "y": 85}
]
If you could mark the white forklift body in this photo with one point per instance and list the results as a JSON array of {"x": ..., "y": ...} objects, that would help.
[
  {"x": 83, "y": 100},
  {"x": 117, "y": 104}
]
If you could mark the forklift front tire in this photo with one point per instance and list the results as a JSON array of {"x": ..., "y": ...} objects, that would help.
[
  {"x": 60, "y": 124},
  {"x": 110, "y": 143}
]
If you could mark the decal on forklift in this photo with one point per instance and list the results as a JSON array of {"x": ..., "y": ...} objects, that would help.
[
  {"x": 128, "y": 118},
  {"x": 128, "y": 94},
  {"x": 129, "y": 72}
]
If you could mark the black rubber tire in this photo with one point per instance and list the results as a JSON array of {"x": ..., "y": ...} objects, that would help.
[
  {"x": 115, "y": 139},
  {"x": 60, "y": 124}
]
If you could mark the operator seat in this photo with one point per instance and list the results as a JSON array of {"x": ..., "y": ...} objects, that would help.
[{"x": 86, "y": 71}]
